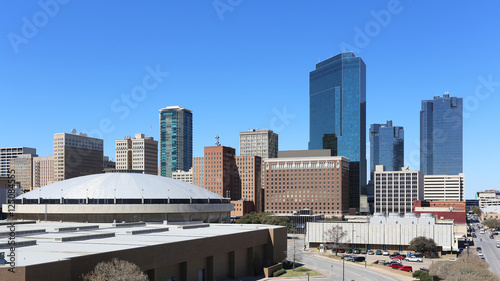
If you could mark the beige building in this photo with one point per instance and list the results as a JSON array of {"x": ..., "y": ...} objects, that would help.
[
  {"x": 396, "y": 191},
  {"x": 488, "y": 198},
  {"x": 76, "y": 155},
  {"x": 43, "y": 171},
  {"x": 319, "y": 183},
  {"x": 23, "y": 167},
  {"x": 263, "y": 143},
  {"x": 183, "y": 176},
  {"x": 137, "y": 154},
  {"x": 8, "y": 153},
  {"x": 249, "y": 179},
  {"x": 444, "y": 187},
  {"x": 198, "y": 171}
]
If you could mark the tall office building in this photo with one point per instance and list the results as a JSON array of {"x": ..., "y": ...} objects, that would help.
[
  {"x": 249, "y": 182},
  {"x": 386, "y": 147},
  {"x": 76, "y": 155},
  {"x": 441, "y": 136},
  {"x": 444, "y": 187},
  {"x": 43, "y": 171},
  {"x": 219, "y": 173},
  {"x": 337, "y": 101},
  {"x": 137, "y": 154},
  {"x": 176, "y": 140},
  {"x": 262, "y": 143},
  {"x": 396, "y": 191},
  {"x": 23, "y": 167},
  {"x": 8, "y": 153}
]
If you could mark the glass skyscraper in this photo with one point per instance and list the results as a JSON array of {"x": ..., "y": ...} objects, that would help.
[
  {"x": 441, "y": 136},
  {"x": 386, "y": 147},
  {"x": 337, "y": 114},
  {"x": 176, "y": 140}
]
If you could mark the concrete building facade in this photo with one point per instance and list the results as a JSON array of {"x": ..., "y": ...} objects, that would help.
[
  {"x": 320, "y": 184},
  {"x": 23, "y": 167},
  {"x": 137, "y": 154},
  {"x": 8, "y": 153},
  {"x": 444, "y": 187},
  {"x": 176, "y": 140},
  {"x": 393, "y": 232},
  {"x": 183, "y": 176},
  {"x": 448, "y": 210},
  {"x": 77, "y": 155},
  {"x": 488, "y": 198},
  {"x": 43, "y": 171},
  {"x": 396, "y": 191},
  {"x": 263, "y": 143}
]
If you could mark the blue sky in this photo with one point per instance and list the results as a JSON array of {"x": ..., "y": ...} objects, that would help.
[{"x": 107, "y": 68}]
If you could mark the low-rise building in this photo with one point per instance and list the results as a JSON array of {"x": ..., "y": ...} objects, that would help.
[
  {"x": 449, "y": 210},
  {"x": 183, "y": 176},
  {"x": 393, "y": 232},
  {"x": 488, "y": 198}
]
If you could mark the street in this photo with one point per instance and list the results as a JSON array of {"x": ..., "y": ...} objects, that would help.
[{"x": 490, "y": 251}]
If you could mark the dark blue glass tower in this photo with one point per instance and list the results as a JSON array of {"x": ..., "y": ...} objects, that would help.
[
  {"x": 337, "y": 114},
  {"x": 441, "y": 136},
  {"x": 386, "y": 147},
  {"x": 176, "y": 140}
]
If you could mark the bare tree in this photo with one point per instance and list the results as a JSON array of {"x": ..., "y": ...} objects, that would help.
[
  {"x": 115, "y": 270},
  {"x": 294, "y": 253},
  {"x": 464, "y": 269},
  {"x": 335, "y": 235}
]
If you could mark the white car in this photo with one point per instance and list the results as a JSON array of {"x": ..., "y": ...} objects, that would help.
[
  {"x": 416, "y": 259},
  {"x": 480, "y": 253},
  {"x": 385, "y": 253}
]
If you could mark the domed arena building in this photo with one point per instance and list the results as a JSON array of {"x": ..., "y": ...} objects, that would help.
[{"x": 117, "y": 197}]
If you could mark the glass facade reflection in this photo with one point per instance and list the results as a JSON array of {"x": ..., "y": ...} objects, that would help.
[
  {"x": 337, "y": 101},
  {"x": 176, "y": 140},
  {"x": 441, "y": 136},
  {"x": 386, "y": 147}
]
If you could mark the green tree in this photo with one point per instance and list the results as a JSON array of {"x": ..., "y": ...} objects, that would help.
[
  {"x": 265, "y": 218},
  {"x": 423, "y": 244},
  {"x": 476, "y": 210},
  {"x": 115, "y": 270},
  {"x": 492, "y": 223}
]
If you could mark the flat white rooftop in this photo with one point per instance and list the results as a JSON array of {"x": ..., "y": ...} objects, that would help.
[{"x": 106, "y": 238}]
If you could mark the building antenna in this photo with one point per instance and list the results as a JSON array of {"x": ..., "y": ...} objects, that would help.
[
  {"x": 217, "y": 143},
  {"x": 150, "y": 128},
  {"x": 267, "y": 122}
]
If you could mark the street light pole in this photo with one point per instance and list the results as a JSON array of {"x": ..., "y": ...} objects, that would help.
[{"x": 343, "y": 269}]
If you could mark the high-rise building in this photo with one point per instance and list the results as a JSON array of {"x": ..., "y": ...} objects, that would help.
[
  {"x": 76, "y": 155},
  {"x": 386, "y": 147},
  {"x": 8, "y": 153},
  {"x": 219, "y": 174},
  {"x": 262, "y": 143},
  {"x": 23, "y": 167},
  {"x": 176, "y": 140},
  {"x": 43, "y": 171},
  {"x": 441, "y": 136},
  {"x": 396, "y": 191},
  {"x": 137, "y": 154},
  {"x": 444, "y": 187},
  {"x": 248, "y": 180},
  {"x": 337, "y": 101},
  {"x": 317, "y": 183}
]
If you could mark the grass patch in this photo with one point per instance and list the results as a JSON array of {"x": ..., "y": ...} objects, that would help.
[{"x": 299, "y": 272}]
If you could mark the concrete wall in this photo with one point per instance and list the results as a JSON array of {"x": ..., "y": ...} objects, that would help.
[{"x": 221, "y": 256}]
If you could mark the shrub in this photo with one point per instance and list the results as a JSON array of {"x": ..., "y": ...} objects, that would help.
[{"x": 279, "y": 272}]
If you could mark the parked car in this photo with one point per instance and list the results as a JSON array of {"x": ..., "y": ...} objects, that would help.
[
  {"x": 346, "y": 257},
  {"x": 398, "y": 257},
  {"x": 341, "y": 250},
  {"x": 349, "y": 251},
  {"x": 363, "y": 252},
  {"x": 491, "y": 236},
  {"x": 406, "y": 268},
  {"x": 415, "y": 259},
  {"x": 394, "y": 265},
  {"x": 370, "y": 252},
  {"x": 358, "y": 259},
  {"x": 479, "y": 249},
  {"x": 385, "y": 253},
  {"x": 424, "y": 269},
  {"x": 480, "y": 253},
  {"x": 378, "y": 252},
  {"x": 356, "y": 251},
  {"x": 474, "y": 235},
  {"x": 394, "y": 254}
]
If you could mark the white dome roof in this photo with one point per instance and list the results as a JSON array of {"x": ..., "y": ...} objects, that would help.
[{"x": 120, "y": 185}]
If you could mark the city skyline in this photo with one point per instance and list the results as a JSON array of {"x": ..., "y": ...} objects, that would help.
[{"x": 78, "y": 73}]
